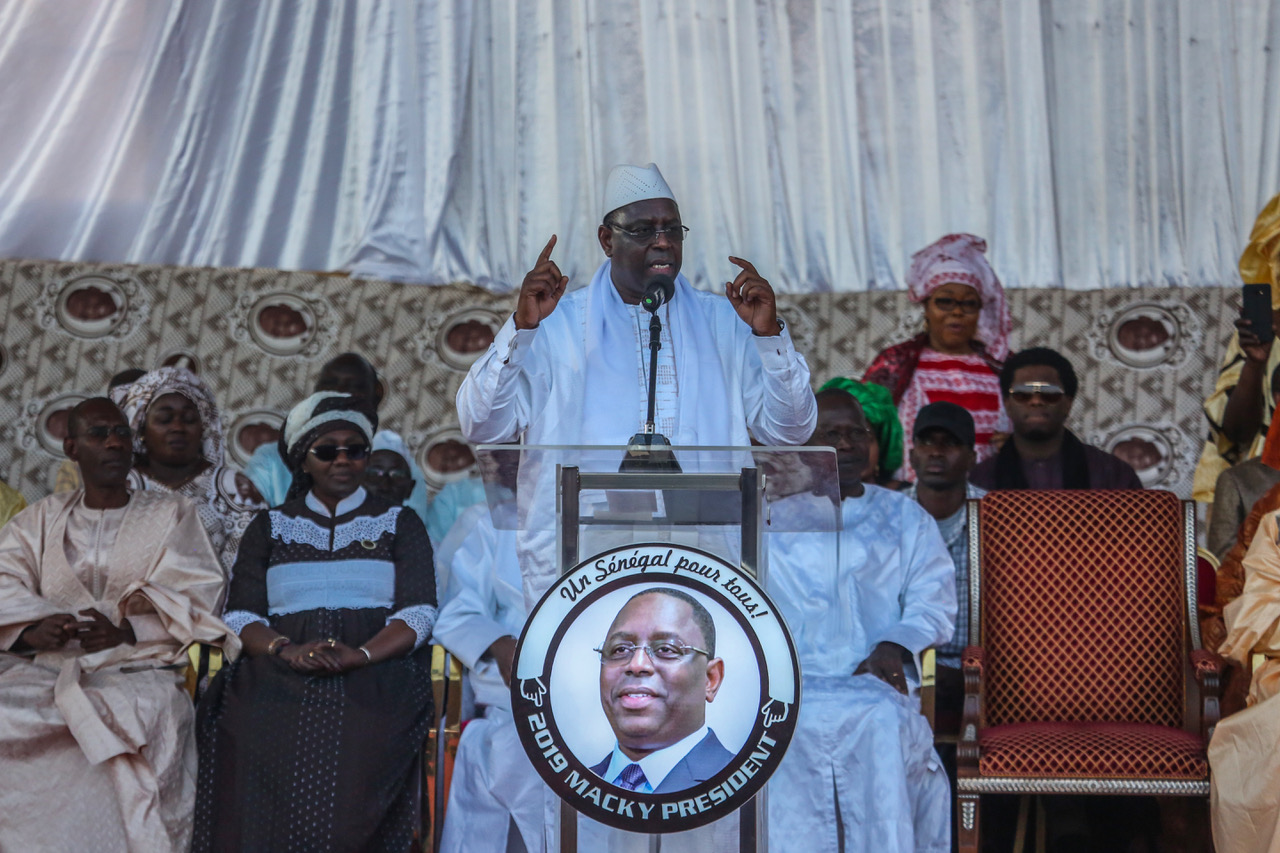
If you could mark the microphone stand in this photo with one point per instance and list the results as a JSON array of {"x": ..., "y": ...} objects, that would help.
[
  {"x": 650, "y": 450},
  {"x": 655, "y": 344}
]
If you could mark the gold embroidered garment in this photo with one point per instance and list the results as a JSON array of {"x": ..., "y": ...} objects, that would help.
[
  {"x": 11, "y": 503},
  {"x": 100, "y": 746},
  {"x": 1246, "y": 769}
]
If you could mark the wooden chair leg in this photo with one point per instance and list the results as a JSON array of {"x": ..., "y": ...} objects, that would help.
[
  {"x": 1042, "y": 825},
  {"x": 967, "y": 822},
  {"x": 1024, "y": 817}
]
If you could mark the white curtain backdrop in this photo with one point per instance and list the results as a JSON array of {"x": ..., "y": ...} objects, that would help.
[{"x": 1095, "y": 143}]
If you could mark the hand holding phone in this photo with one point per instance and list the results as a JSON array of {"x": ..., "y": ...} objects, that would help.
[{"x": 1255, "y": 313}]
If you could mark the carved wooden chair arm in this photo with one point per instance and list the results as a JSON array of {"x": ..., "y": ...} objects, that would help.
[
  {"x": 1208, "y": 668},
  {"x": 973, "y": 666}
]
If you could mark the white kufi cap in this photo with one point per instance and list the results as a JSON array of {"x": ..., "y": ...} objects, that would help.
[{"x": 628, "y": 184}]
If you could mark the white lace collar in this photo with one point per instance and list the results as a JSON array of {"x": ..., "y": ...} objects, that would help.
[
  {"x": 346, "y": 505},
  {"x": 302, "y": 529}
]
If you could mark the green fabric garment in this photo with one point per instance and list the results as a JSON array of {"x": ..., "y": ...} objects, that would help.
[{"x": 882, "y": 415}]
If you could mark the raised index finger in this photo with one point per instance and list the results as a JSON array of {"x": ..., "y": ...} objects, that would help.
[
  {"x": 746, "y": 265},
  {"x": 546, "y": 252}
]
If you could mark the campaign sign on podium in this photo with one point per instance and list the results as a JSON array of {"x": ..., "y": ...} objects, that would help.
[
  {"x": 628, "y": 713},
  {"x": 725, "y": 732}
]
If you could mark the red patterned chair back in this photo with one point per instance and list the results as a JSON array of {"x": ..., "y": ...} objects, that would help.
[{"x": 1083, "y": 607}]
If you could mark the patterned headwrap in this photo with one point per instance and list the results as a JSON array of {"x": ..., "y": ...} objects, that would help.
[
  {"x": 135, "y": 399},
  {"x": 1260, "y": 263},
  {"x": 961, "y": 259},
  {"x": 882, "y": 415},
  {"x": 322, "y": 412}
]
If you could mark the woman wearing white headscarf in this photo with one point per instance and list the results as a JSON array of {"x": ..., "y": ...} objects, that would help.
[
  {"x": 957, "y": 357},
  {"x": 310, "y": 740},
  {"x": 178, "y": 447},
  {"x": 396, "y": 477}
]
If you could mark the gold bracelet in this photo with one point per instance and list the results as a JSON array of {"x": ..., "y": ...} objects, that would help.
[{"x": 274, "y": 647}]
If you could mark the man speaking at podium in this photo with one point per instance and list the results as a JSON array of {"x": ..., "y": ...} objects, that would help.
[{"x": 573, "y": 368}]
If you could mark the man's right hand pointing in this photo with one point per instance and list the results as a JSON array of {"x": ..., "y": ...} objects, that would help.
[{"x": 541, "y": 290}]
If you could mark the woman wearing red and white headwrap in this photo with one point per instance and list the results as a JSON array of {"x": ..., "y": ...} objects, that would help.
[{"x": 957, "y": 357}]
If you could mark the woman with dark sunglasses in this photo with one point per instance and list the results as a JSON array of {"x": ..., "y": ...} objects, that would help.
[
  {"x": 309, "y": 741},
  {"x": 957, "y": 357}
]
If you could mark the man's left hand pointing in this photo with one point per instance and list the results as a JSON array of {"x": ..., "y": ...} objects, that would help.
[{"x": 752, "y": 297}]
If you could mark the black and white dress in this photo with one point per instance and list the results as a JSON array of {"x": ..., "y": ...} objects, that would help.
[{"x": 294, "y": 761}]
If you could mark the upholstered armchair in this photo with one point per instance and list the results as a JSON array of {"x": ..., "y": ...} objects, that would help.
[{"x": 1084, "y": 672}]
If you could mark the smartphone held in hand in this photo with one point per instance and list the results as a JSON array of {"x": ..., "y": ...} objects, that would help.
[{"x": 1256, "y": 309}]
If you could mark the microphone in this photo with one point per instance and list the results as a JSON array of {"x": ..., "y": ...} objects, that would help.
[
  {"x": 649, "y": 450},
  {"x": 658, "y": 291}
]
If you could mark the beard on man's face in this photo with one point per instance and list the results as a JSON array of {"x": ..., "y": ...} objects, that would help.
[{"x": 1039, "y": 433}]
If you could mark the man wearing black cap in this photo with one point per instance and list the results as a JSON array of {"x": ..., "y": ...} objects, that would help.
[{"x": 942, "y": 455}]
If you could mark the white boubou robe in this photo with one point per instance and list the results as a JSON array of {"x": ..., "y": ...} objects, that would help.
[
  {"x": 860, "y": 746},
  {"x": 98, "y": 750},
  {"x": 579, "y": 379},
  {"x": 493, "y": 782}
]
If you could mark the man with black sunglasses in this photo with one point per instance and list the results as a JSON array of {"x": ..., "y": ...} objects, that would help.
[{"x": 1039, "y": 387}]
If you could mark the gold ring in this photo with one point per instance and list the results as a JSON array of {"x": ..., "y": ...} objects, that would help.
[
  {"x": 332, "y": 642},
  {"x": 311, "y": 654}
]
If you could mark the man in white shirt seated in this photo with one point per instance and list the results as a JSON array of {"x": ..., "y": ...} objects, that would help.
[
  {"x": 658, "y": 671},
  {"x": 495, "y": 797},
  {"x": 861, "y": 773}
]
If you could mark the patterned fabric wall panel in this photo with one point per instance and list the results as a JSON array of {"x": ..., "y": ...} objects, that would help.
[{"x": 1146, "y": 357}]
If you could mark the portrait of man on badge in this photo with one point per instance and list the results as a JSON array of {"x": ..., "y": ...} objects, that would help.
[
  {"x": 658, "y": 673},
  {"x": 657, "y": 687}
]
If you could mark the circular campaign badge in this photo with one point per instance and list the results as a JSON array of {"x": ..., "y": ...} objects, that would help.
[{"x": 666, "y": 655}]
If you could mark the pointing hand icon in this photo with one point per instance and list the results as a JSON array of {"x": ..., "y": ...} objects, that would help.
[
  {"x": 533, "y": 689},
  {"x": 774, "y": 712}
]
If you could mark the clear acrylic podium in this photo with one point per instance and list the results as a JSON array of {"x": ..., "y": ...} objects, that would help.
[{"x": 738, "y": 503}]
